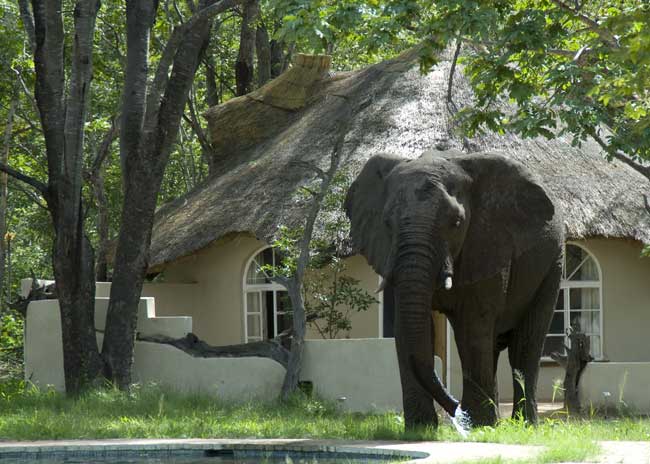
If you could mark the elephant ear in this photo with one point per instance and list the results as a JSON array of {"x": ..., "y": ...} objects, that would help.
[
  {"x": 510, "y": 212},
  {"x": 364, "y": 204}
]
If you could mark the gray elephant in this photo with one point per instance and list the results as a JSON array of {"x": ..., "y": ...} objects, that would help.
[{"x": 476, "y": 237}]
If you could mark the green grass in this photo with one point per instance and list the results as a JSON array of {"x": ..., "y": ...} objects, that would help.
[{"x": 154, "y": 412}]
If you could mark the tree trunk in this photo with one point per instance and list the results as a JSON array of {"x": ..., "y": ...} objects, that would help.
[
  {"x": 292, "y": 376},
  {"x": 75, "y": 280},
  {"x": 4, "y": 158},
  {"x": 263, "y": 50},
  {"x": 63, "y": 116},
  {"x": 244, "y": 63},
  {"x": 574, "y": 363},
  {"x": 131, "y": 262},
  {"x": 145, "y": 150},
  {"x": 277, "y": 58}
]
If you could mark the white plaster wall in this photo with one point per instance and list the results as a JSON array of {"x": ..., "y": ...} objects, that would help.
[
  {"x": 244, "y": 378},
  {"x": 617, "y": 384},
  {"x": 363, "y": 371},
  {"x": 238, "y": 379}
]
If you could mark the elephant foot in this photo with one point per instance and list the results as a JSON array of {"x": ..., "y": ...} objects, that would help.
[
  {"x": 526, "y": 410},
  {"x": 418, "y": 414}
]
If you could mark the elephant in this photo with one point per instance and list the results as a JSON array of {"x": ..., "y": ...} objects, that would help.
[{"x": 479, "y": 239}]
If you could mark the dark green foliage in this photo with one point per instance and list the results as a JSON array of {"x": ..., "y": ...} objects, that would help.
[{"x": 576, "y": 67}]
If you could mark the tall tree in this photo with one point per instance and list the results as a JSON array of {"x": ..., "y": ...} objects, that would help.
[
  {"x": 63, "y": 112},
  {"x": 150, "y": 120}
]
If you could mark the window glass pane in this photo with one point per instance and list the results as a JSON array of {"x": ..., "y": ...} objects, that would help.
[
  {"x": 255, "y": 276},
  {"x": 552, "y": 344},
  {"x": 594, "y": 340},
  {"x": 557, "y": 323},
  {"x": 589, "y": 321},
  {"x": 254, "y": 327},
  {"x": 559, "y": 304},
  {"x": 253, "y": 302},
  {"x": 572, "y": 259},
  {"x": 579, "y": 265},
  {"x": 584, "y": 298}
]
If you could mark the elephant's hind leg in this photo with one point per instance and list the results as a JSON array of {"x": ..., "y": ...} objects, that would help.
[{"x": 527, "y": 343}]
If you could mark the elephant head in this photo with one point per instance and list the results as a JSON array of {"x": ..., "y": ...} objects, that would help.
[{"x": 442, "y": 221}]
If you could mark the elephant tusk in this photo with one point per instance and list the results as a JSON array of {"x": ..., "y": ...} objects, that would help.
[
  {"x": 448, "y": 283},
  {"x": 382, "y": 286}
]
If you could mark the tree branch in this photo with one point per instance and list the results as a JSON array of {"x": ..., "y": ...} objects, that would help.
[
  {"x": 104, "y": 148},
  {"x": 592, "y": 25},
  {"x": 452, "y": 71},
  {"x": 50, "y": 78},
  {"x": 28, "y": 23},
  {"x": 619, "y": 155},
  {"x": 33, "y": 196},
  {"x": 37, "y": 184},
  {"x": 169, "y": 55}
]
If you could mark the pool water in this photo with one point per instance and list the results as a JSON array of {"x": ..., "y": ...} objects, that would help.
[{"x": 208, "y": 457}]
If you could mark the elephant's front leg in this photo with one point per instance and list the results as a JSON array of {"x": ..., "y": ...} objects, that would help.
[
  {"x": 416, "y": 366},
  {"x": 475, "y": 343}
]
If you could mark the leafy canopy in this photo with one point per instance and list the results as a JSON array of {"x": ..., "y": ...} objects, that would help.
[{"x": 581, "y": 67}]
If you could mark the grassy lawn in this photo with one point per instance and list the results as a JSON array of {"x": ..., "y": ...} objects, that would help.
[{"x": 152, "y": 412}]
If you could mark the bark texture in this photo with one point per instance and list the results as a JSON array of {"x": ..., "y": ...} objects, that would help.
[
  {"x": 263, "y": 51},
  {"x": 4, "y": 157},
  {"x": 244, "y": 64}
]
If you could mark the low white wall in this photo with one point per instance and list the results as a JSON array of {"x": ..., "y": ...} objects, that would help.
[
  {"x": 243, "y": 378},
  {"x": 617, "y": 384},
  {"x": 363, "y": 371},
  {"x": 228, "y": 378}
]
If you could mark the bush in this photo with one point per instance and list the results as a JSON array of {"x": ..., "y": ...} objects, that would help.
[{"x": 11, "y": 347}]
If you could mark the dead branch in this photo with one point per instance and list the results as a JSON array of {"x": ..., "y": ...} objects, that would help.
[
  {"x": 192, "y": 345},
  {"x": 37, "y": 292}
]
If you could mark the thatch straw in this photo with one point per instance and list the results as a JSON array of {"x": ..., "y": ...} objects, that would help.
[{"x": 406, "y": 113}]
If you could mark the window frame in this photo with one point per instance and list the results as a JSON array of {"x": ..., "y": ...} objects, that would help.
[
  {"x": 566, "y": 285},
  {"x": 259, "y": 289}
]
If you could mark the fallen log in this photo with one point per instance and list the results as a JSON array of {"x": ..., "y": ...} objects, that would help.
[{"x": 192, "y": 345}]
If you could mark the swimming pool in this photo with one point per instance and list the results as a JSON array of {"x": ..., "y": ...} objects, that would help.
[{"x": 222, "y": 456}]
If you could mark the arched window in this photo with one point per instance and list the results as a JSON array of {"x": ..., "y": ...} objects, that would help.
[
  {"x": 266, "y": 303},
  {"x": 579, "y": 302}
]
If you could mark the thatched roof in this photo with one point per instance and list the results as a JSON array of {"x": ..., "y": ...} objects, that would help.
[{"x": 265, "y": 139}]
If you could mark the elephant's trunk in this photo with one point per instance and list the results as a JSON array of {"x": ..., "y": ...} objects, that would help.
[{"x": 414, "y": 279}]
